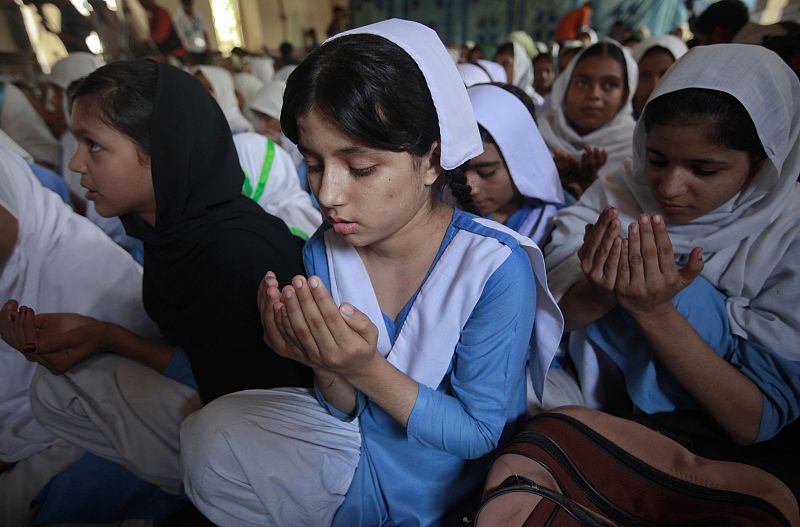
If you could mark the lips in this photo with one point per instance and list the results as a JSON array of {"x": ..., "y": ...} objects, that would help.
[{"x": 342, "y": 226}]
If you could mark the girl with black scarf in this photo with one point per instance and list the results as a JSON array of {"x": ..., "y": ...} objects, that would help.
[{"x": 156, "y": 150}]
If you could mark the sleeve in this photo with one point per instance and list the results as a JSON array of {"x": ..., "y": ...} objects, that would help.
[
  {"x": 179, "y": 369},
  {"x": 487, "y": 380},
  {"x": 162, "y": 25},
  {"x": 286, "y": 199}
]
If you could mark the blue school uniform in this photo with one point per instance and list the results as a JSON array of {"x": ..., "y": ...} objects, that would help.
[{"x": 413, "y": 476}]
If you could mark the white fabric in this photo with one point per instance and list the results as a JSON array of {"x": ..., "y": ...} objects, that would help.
[
  {"x": 190, "y": 30},
  {"x": 225, "y": 93},
  {"x": 268, "y": 458},
  {"x": 120, "y": 410},
  {"x": 269, "y": 99},
  {"x": 282, "y": 196},
  {"x": 61, "y": 263},
  {"x": 10, "y": 144},
  {"x": 752, "y": 33},
  {"x": 511, "y": 125},
  {"x": 247, "y": 84},
  {"x": 261, "y": 67},
  {"x": 745, "y": 240},
  {"x": 523, "y": 69},
  {"x": 538, "y": 223},
  {"x": 20, "y": 120},
  {"x": 614, "y": 137},
  {"x": 74, "y": 66},
  {"x": 482, "y": 72},
  {"x": 427, "y": 341},
  {"x": 671, "y": 43},
  {"x": 283, "y": 74},
  {"x": 458, "y": 129}
]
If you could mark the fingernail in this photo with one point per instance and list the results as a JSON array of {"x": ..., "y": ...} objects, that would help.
[
  {"x": 634, "y": 228},
  {"x": 298, "y": 282},
  {"x": 644, "y": 218},
  {"x": 313, "y": 282},
  {"x": 288, "y": 293},
  {"x": 347, "y": 310},
  {"x": 657, "y": 219}
]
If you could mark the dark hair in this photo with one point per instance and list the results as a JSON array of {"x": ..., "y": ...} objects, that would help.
[
  {"x": 505, "y": 47},
  {"x": 655, "y": 50},
  {"x": 374, "y": 92},
  {"x": 606, "y": 49},
  {"x": 123, "y": 94},
  {"x": 727, "y": 120},
  {"x": 730, "y": 15},
  {"x": 544, "y": 56}
]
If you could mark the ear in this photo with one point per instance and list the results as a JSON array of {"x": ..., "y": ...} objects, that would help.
[{"x": 430, "y": 167}]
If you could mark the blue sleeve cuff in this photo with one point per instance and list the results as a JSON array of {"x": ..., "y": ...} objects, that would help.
[
  {"x": 361, "y": 403},
  {"x": 180, "y": 369}
]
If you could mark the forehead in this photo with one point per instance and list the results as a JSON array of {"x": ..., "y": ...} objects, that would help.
[
  {"x": 688, "y": 141},
  {"x": 658, "y": 59},
  {"x": 599, "y": 66}
]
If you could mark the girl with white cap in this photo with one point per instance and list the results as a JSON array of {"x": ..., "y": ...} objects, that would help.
[
  {"x": 654, "y": 57},
  {"x": 684, "y": 292},
  {"x": 219, "y": 82},
  {"x": 416, "y": 318},
  {"x": 514, "y": 181},
  {"x": 588, "y": 126}
]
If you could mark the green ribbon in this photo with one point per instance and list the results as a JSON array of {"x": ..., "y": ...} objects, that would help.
[{"x": 262, "y": 179}]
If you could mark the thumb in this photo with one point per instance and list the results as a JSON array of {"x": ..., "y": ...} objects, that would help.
[
  {"x": 359, "y": 322},
  {"x": 693, "y": 267}
]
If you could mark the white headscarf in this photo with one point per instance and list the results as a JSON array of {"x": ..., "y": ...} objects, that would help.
[
  {"x": 225, "y": 93},
  {"x": 269, "y": 99},
  {"x": 20, "y": 120},
  {"x": 247, "y": 84},
  {"x": 61, "y": 262},
  {"x": 261, "y": 67},
  {"x": 278, "y": 189},
  {"x": 283, "y": 74},
  {"x": 10, "y": 144},
  {"x": 483, "y": 71},
  {"x": 511, "y": 125},
  {"x": 614, "y": 137},
  {"x": 671, "y": 43},
  {"x": 745, "y": 239},
  {"x": 73, "y": 67},
  {"x": 461, "y": 140},
  {"x": 523, "y": 69}
]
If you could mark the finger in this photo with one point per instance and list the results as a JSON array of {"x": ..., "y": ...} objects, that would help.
[
  {"x": 597, "y": 233},
  {"x": 359, "y": 322},
  {"x": 666, "y": 256},
  {"x": 320, "y": 331},
  {"x": 635, "y": 256},
  {"x": 7, "y": 316},
  {"x": 648, "y": 248},
  {"x": 693, "y": 267},
  {"x": 624, "y": 270},
  {"x": 297, "y": 322},
  {"x": 272, "y": 335},
  {"x": 606, "y": 243},
  {"x": 342, "y": 333},
  {"x": 611, "y": 266},
  {"x": 29, "y": 328},
  {"x": 285, "y": 327}
]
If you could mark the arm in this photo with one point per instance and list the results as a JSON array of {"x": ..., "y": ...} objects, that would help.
[
  {"x": 9, "y": 230},
  {"x": 647, "y": 282}
]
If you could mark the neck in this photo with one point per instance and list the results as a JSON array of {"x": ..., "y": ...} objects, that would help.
[
  {"x": 502, "y": 214},
  {"x": 149, "y": 218}
]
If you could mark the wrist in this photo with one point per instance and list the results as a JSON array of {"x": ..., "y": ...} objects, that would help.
[{"x": 655, "y": 314}]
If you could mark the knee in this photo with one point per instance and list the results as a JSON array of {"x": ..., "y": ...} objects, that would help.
[
  {"x": 47, "y": 394},
  {"x": 202, "y": 437}
]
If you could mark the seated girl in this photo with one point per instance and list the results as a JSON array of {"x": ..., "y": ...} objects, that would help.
[
  {"x": 654, "y": 57},
  {"x": 415, "y": 317},
  {"x": 270, "y": 180},
  {"x": 514, "y": 181},
  {"x": 588, "y": 126},
  {"x": 155, "y": 149},
  {"x": 53, "y": 260},
  {"x": 219, "y": 82},
  {"x": 682, "y": 297}
]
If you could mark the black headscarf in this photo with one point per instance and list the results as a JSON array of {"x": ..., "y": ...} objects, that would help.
[{"x": 210, "y": 246}]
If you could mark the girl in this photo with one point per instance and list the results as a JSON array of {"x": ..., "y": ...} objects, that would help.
[
  {"x": 691, "y": 317},
  {"x": 383, "y": 119},
  {"x": 53, "y": 260},
  {"x": 519, "y": 68},
  {"x": 588, "y": 126},
  {"x": 271, "y": 181},
  {"x": 481, "y": 71},
  {"x": 154, "y": 148},
  {"x": 514, "y": 181},
  {"x": 654, "y": 57}
]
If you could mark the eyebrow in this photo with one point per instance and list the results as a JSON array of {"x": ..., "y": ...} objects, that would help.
[
  {"x": 701, "y": 160},
  {"x": 483, "y": 164},
  {"x": 345, "y": 150}
]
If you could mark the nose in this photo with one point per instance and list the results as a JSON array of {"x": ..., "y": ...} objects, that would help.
[
  {"x": 77, "y": 162},
  {"x": 594, "y": 91},
  {"x": 331, "y": 187},
  {"x": 673, "y": 182},
  {"x": 473, "y": 180}
]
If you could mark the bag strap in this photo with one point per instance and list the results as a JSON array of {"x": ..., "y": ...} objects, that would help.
[
  {"x": 262, "y": 179},
  {"x": 518, "y": 483}
]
